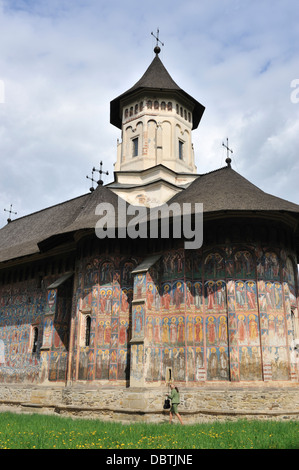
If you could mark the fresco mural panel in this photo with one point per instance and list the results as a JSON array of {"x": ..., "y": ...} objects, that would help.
[
  {"x": 108, "y": 296},
  {"x": 221, "y": 315}
]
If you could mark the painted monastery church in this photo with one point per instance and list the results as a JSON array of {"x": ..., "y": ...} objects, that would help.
[{"x": 135, "y": 314}]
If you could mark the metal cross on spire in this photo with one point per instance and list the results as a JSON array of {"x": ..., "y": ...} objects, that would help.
[
  {"x": 228, "y": 159},
  {"x": 157, "y": 49},
  {"x": 101, "y": 172},
  {"x": 10, "y": 212}
]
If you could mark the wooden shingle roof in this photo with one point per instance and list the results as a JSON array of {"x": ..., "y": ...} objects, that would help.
[
  {"x": 226, "y": 190},
  {"x": 222, "y": 190},
  {"x": 21, "y": 236},
  {"x": 27, "y": 235}
]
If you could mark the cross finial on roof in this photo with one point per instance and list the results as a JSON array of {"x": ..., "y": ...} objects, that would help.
[
  {"x": 93, "y": 181},
  {"x": 10, "y": 212},
  {"x": 228, "y": 159},
  {"x": 100, "y": 182},
  {"x": 157, "y": 49}
]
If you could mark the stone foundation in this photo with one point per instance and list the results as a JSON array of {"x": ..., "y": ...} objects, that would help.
[{"x": 129, "y": 405}]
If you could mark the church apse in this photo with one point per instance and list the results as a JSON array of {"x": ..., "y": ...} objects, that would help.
[{"x": 219, "y": 315}]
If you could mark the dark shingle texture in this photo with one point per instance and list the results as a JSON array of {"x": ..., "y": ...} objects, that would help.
[
  {"x": 21, "y": 236},
  {"x": 226, "y": 190},
  {"x": 24, "y": 236}
]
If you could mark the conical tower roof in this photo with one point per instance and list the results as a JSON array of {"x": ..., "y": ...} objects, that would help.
[{"x": 157, "y": 78}]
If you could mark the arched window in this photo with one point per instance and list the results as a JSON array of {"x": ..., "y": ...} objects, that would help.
[
  {"x": 87, "y": 330},
  {"x": 136, "y": 108},
  {"x": 156, "y": 104},
  {"x": 163, "y": 105},
  {"x": 149, "y": 104},
  {"x": 141, "y": 106},
  {"x": 126, "y": 113},
  {"x": 169, "y": 106},
  {"x": 135, "y": 147},
  {"x": 34, "y": 339},
  {"x": 177, "y": 109},
  {"x": 131, "y": 111}
]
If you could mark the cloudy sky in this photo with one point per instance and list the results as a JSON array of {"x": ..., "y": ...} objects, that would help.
[{"x": 63, "y": 61}]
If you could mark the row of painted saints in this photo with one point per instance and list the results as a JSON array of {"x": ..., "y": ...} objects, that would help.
[
  {"x": 104, "y": 273},
  {"x": 177, "y": 329},
  {"x": 211, "y": 296},
  {"x": 193, "y": 294},
  {"x": 242, "y": 264},
  {"x": 229, "y": 263}
]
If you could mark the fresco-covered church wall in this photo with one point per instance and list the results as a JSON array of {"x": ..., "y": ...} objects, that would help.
[
  {"x": 104, "y": 292},
  {"x": 57, "y": 357},
  {"x": 220, "y": 315},
  {"x": 34, "y": 325},
  {"x": 209, "y": 315},
  {"x": 187, "y": 319},
  {"x": 21, "y": 305}
]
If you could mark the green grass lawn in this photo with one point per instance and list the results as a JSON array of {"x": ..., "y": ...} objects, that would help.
[{"x": 20, "y": 431}]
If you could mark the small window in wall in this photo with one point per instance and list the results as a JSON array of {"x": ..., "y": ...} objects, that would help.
[
  {"x": 294, "y": 326},
  {"x": 181, "y": 150},
  {"x": 169, "y": 377},
  {"x": 135, "y": 147},
  {"x": 34, "y": 339},
  {"x": 87, "y": 330}
]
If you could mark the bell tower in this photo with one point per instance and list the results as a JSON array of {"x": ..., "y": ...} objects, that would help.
[{"x": 156, "y": 118}]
